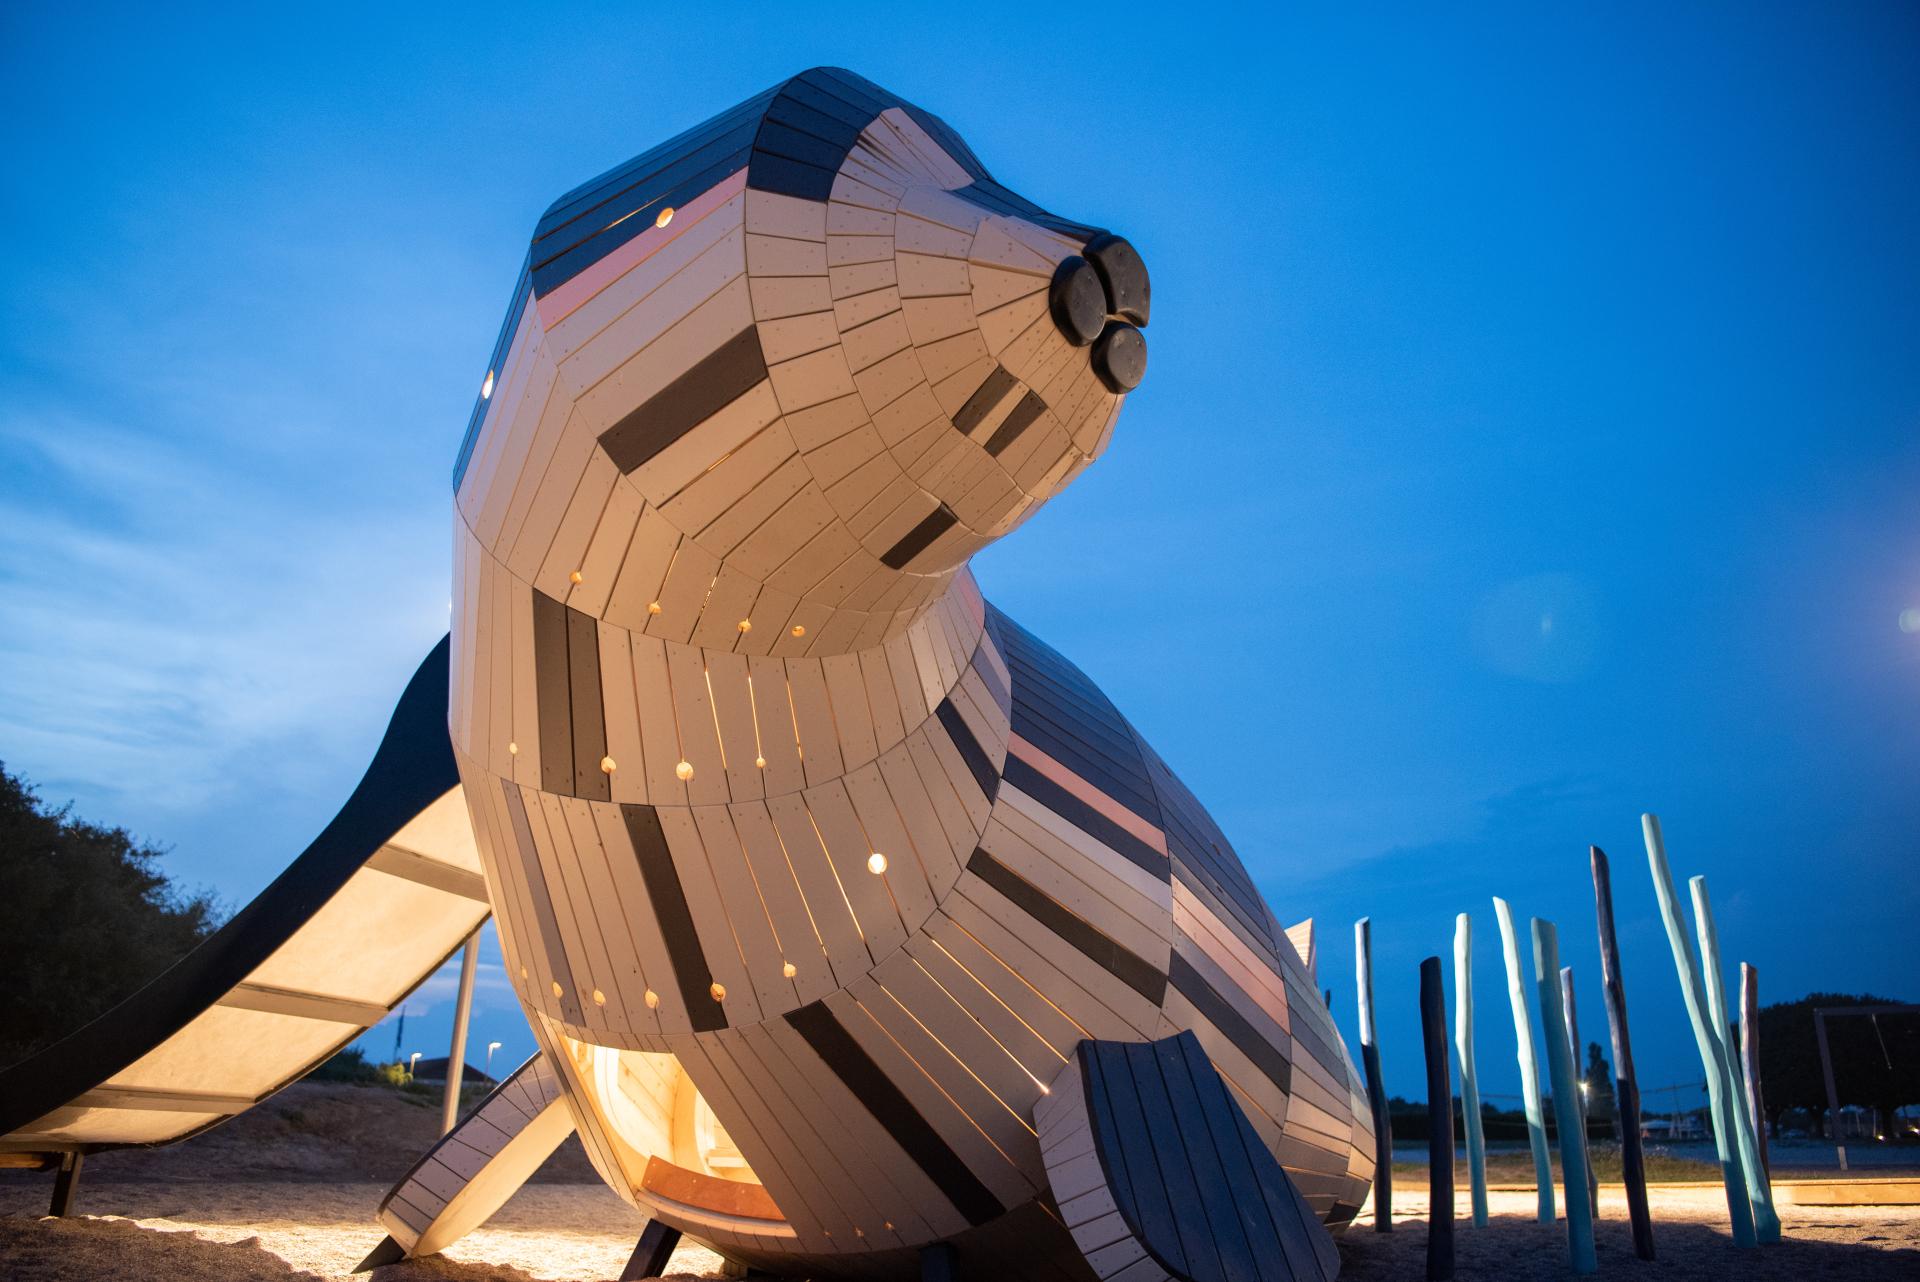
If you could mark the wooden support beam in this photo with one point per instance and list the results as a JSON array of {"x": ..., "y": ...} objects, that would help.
[
  {"x": 66, "y": 1183},
  {"x": 1376, "y": 1086},
  {"x": 462, "y": 1015},
  {"x": 1469, "y": 1080},
  {"x": 1433, "y": 1036},
  {"x": 1566, "y": 1098},
  {"x": 1529, "y": 1066},
  {"x": 286, "y": 1001},
  {"x": 163, "y": 1101},
  {"x": 1626, "y": 1086},
  {"x": 397, "y": 861},
  {"x": 1713, "y": 1055},
  {"x": 651, "y": 1253}
]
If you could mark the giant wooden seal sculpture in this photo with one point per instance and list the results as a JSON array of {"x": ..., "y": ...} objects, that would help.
[{"x": 862, "y": 935}]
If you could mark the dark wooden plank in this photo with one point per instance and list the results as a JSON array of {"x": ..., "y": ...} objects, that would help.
[
  {"x": 714, "y": 382},
  {"x": 548, "y": 923},
  {"x": 920, "y": 537},
  {"x": 1227, "y": 1206},
  {"x": 1131, "y": 969},
  {"x": 978, "y": 763},
  {"x": 1084, "y": 817},
  {"x": 587, "y": 708},
  {"x": 554, "y": 702},
  {"x": 1018, "y": 420},
  {"x": 1106, "y": 1134},
  {"x": 692, "y": 976},
  {"x": 1252, "y": 1168},
  {"x": 1162, "y": 1132},
  {"x": 993, "y": 388},
  {"x": 1135, "y": 1149},
  {"x": 869, "y": 1083},
  {"x": 1219, "y": 1012}
]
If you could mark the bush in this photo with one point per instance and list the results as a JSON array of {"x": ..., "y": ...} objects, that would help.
[{"x": 87, "y": 918}]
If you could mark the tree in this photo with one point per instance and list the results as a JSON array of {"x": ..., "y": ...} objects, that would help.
[
  {"x": 87, "y": 918},
  {"x": 1875, "y": 1062},
  {"x": 1601, "y": 1106}
]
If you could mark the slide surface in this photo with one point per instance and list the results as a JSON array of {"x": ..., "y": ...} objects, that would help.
[{"x": 388, "y": 891}]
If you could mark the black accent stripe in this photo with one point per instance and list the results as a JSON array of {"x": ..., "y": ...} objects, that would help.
[
  {"x": 589, "y": 712},
  {"x": 1128, "y": 967},
  {"x": 1018, "y": 420},
  {"x": 669, "y": 900},
  {"x": 1151, "y": 1214},
  {"x": 553, "y": 701},
  {"x": 717, "y": 380},
  {"x": 1219, "y": 1012},
  {"x": 993, "y": 388},
  {"x": 970, "y": 750},
  {"x": 920, "y": 537},
  {"x": 876, "y": 1092},
  {"x": 1084, "y": 817},
  {"x": 550, "y": 941}
]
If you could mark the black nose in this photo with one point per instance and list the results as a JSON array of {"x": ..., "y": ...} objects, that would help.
[
  {"x": 1129, "y": 292},
  {"x": 1101, "y": 300}
]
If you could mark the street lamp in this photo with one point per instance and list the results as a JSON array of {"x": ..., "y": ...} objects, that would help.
[
  {"x": 491, "y": 1048},
  {"x": 411, "y": 1061}
]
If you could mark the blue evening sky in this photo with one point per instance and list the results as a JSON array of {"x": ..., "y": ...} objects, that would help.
[{"x": 1529, "y": 440}]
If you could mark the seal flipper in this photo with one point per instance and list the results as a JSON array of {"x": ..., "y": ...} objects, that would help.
[
  {"x": 1159, "y": 1175},
  {"x": 474, "y": 1168}
]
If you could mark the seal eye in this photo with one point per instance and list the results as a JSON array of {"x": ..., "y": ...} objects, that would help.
[
  {"x": 1129, "y": 291},
  {"x": 1120, "y": 357},
  {"x": 1078, "y": 300}
]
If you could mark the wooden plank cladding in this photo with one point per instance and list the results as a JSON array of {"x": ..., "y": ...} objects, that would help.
[
  {"x": 1158, "y": 1173},
  {"x": 770, "y": 797}
]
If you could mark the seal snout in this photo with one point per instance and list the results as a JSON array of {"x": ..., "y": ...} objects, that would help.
[{"x": 1102, "y": 298}]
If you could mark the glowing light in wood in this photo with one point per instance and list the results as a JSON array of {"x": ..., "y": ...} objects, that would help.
[
  {"x": 606, "y": 765},
  {"x": 876, "y": 863},
  {"x": 666, "y": 216},
  {"x": 684, "y": 770},
  {"x": 653, "y": 1000},
  {"x": 486, "y": 388},
  {"x": 719, "y": 991}
]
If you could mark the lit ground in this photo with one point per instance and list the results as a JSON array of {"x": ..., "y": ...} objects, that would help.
[{"x": 287, "y": 1192}]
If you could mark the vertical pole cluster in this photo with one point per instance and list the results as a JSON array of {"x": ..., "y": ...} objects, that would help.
[
  {"x": 1469, "y": 1081},
  {"x": 1711, "y": 1045},
  {"x": 1433, "y": 1036},
  {"x": 1529, "y": 1066},
  {"x": 1566, "y": 1098},
  {"x": 1626, "y": 1088},
  {"x": 1376, "y": 1087}
]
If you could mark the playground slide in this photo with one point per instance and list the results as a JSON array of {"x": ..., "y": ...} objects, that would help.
[{"x": 388, "y": 891}]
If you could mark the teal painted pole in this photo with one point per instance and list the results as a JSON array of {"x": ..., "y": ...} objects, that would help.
[
  {"x": 1529, "y": 1066},
  {"x": 1566, "y": 1098},
  {"x": 1713, "y": 1059},
  {"x": 1469, "y": 1083},
  {"x": 1766, "y": 1221}
]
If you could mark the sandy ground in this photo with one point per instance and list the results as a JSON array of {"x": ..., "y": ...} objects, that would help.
[
  {"x": 290, "y": 1232},
  {"x": 288, "y": 1191},
  {"x": 238, "y": 1232}
]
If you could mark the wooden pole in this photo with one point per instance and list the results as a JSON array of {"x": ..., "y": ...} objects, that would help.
[
  {"x": 1626, "y": 1087},
  {"x": 1469, "y": 1081},
  {"x": 1376, "y": 1086},
  {"x": 1766, "y": 1222},
  {"x": 1566, "y": 1098},
  {"x": 1580, "y": 1080},
  {"x": 1529, "y": 1065},
  {"x": 462, "y": 1014},
  {"x": 1750, "y": 1059},
  {"x": 1713, "y": 1056},
  {"x": 1833, "y": 1096},
  {"x": 1433, "y": 1035}
]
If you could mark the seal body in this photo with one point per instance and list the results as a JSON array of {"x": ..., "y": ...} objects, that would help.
[{"x": 811, "y": 868}]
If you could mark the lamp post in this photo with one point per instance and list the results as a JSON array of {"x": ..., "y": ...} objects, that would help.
[
  {"x": 491, "y": 1048},
  {"x": 411, "y": 1061}
]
